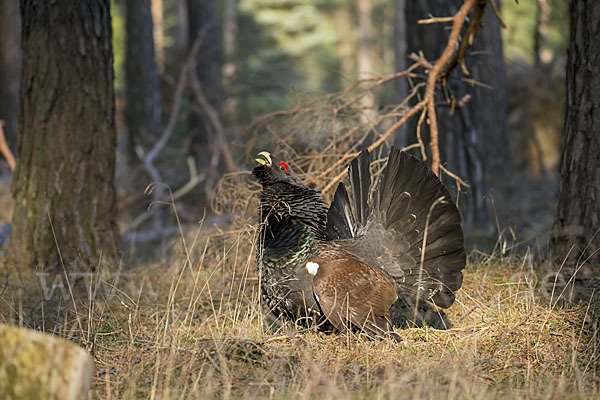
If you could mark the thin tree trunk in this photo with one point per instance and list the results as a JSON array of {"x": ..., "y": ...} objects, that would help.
[
  {"x": 182, "y": 31},
  {"x": 142, "y": 93},
  {"x": 230, "y": 32},
  {"x": 400, "y": 57},
  {"x": 158, "y": 24},
  {"x": 63, "y": 184},
  {"x": 364, "y": 54},
  {"x": 10, "y": 69},
  {"x": 576, "y": 234},
  {"x": 203, "y": 23},
  {"x": 230, "y": 29},
  {"x": 541, "y": 29}
]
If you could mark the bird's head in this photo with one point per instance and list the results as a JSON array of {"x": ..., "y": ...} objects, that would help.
[
  {"x": 284, "y": 198},
  {"x": 270, "y": 171}
]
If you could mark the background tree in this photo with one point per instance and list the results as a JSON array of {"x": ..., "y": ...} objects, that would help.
[
  {"x": 364, "y": 54},
  {"x": 576, "y": 237},
  {"x": 142, "y": 93},
  {"x": 203, "y": 23},
  {"x": 400, "y": 61},
  {"x": 10, "y": 66},
  {"x": 487, "y": 67},
  {"x": 63, "y": 184}
]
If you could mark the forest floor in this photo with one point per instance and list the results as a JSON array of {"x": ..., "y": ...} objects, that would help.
[
  {"x": 190, "y": 326},
  {"x": 182, "y": 320}
]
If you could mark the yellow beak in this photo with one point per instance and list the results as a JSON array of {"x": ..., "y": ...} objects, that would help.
[{"x": 264, "y": 158}]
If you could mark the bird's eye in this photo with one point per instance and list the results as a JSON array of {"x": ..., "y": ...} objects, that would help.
[{"x": 284, "y": 167}]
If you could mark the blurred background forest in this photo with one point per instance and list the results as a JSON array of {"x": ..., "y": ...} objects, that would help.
[
  {"x": 145, "y": 256},
  {"x": 256, "y": 57}
]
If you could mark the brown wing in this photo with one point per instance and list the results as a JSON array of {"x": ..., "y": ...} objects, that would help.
[{"x": 351, "y": 292}]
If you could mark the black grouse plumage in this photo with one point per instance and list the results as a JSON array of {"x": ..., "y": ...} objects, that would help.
[{"x": 349, "y": 263}]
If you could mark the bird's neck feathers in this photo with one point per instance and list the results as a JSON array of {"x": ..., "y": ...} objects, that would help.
[
  {"x": 291, "y": 244},
  {"x": 283, "y": 204}
]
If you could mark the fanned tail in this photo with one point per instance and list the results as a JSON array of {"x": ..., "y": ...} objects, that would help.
[{"x": 412, "y": 209}]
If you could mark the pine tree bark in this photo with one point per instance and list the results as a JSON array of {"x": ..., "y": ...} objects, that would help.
[
  {"x": 63, "y": 185},
  {"x": 576, "y": 234},
  {"x": 10, "y": 69},
  {"x": 142, "y": 93}
]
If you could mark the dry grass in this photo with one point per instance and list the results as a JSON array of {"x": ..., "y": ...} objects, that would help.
[
  {"x": 202, "y": 334},
  {"x": 191, "y": 327}
]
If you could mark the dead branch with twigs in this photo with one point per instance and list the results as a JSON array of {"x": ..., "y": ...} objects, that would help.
[{"x": 332, "y": 123}]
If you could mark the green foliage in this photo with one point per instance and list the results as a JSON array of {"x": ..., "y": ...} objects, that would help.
[
  {"x": 519, "y": 36},
  {"x": 283, "y": 47}
]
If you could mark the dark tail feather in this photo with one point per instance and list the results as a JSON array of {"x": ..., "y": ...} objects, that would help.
[
  {"x": 342, "y": 222},
  {"x": 360, "y": 184}
]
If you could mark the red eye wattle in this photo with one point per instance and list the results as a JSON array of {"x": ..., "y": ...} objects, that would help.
[{"x": 283, "y": 166}]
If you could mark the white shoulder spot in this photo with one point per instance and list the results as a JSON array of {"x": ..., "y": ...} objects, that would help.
[{"x": 312, "y": 267}]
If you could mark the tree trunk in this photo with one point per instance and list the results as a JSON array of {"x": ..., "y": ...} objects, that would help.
[
  {"x": 63, "y": 184},
  {"x": 230, "y": 30},
  {"x": 159, "y": 42},
  {"x": 10, "y": 69},
  {"x": 576, "y": 234},
  {"x": 229, "y": 70},
  {"x": 488, "y": 68},
  {"x": 400, "y": 58},
  {"x": 364, "y": 55},
  {"x": 203, "y": 24},
  {"x": 143, "y": 108}
]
